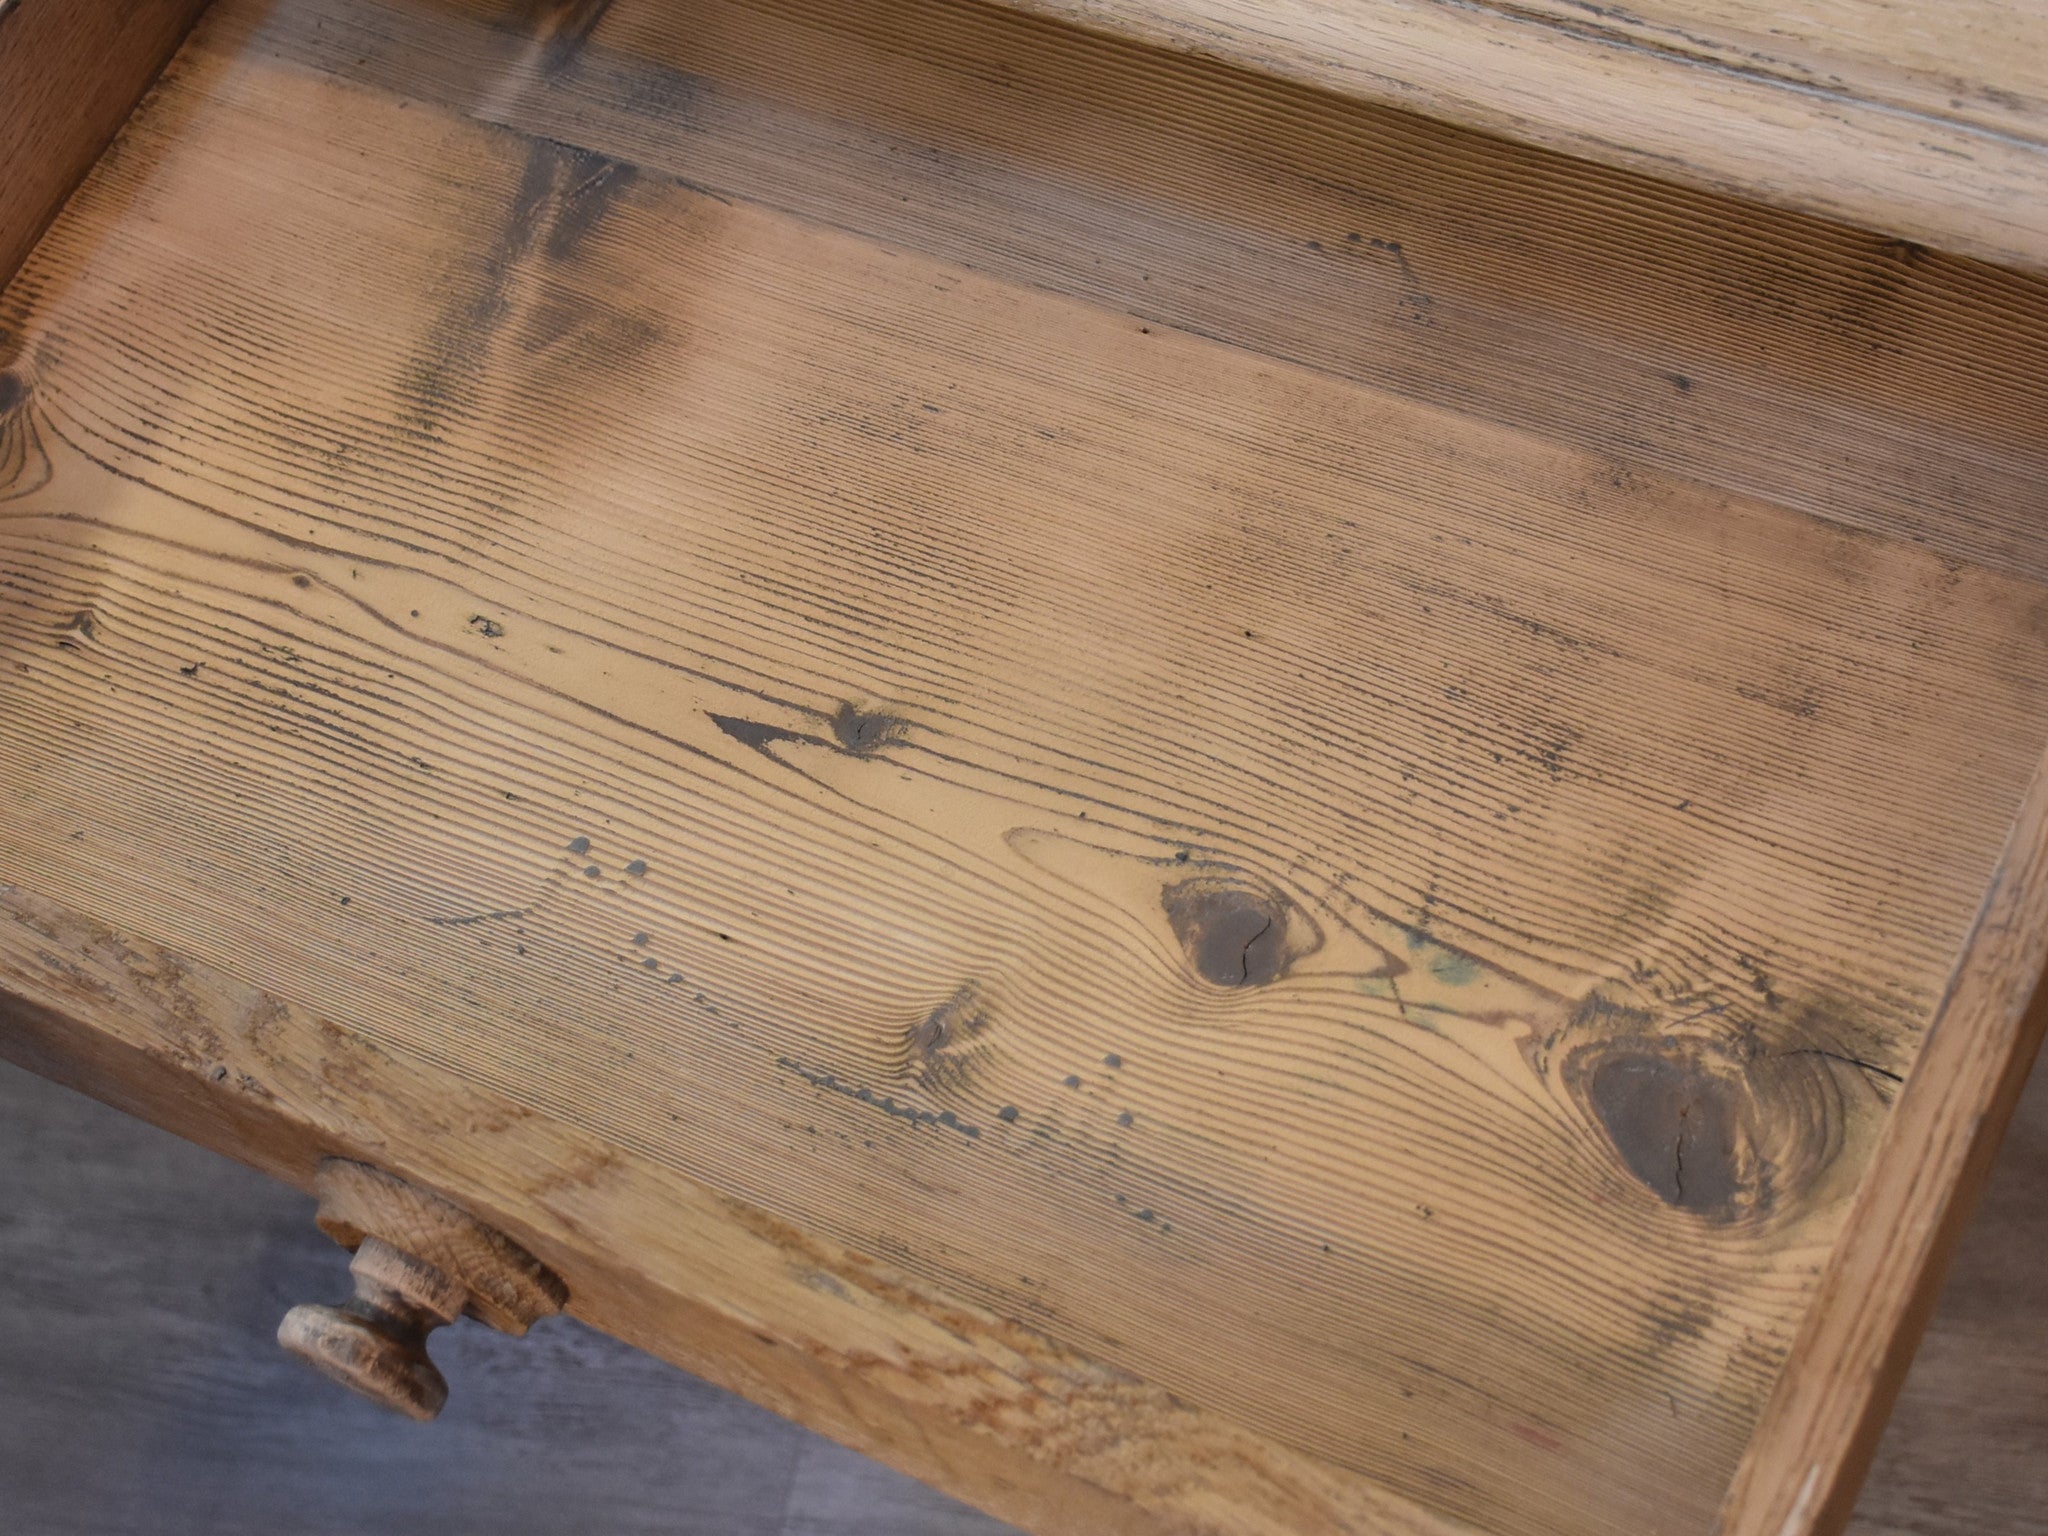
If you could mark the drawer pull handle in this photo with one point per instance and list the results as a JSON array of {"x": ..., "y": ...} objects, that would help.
[{"x": 420, "y": 1263}]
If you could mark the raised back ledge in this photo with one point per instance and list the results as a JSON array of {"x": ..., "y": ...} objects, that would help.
[
  {"x": 1869, "y": 381},
  {"x": 1928, "y": 121}
]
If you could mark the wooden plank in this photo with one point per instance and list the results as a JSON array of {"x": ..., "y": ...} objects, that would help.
[
  {"x": 1961, "y": 1455},
  {"x": 1815, "y": 1440},
  {"x": 140, "y": 1388},
  {"x": 1863, "y": 380},
  {"x": 1114, "y": 824},
  {"x": 132, "y": 1254},
  {"x": 70, "y": 72},
  {"x": 1923, "y": 120},
  {"x": 858, "y": 1349},
  {"x": 1982, "y": 62}
]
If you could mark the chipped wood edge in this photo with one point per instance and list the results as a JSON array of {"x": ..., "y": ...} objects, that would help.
[
  {"x": 1606, "y": 87},
  {"x": 980, "y": 1406},
  {"x": 71, "y": 71},
  {"x": 507, "y": 1287},
  {"x": 1821, "y": 1426}
]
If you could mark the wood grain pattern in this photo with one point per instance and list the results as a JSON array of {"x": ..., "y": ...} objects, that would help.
[
  {"x": 70, "y": 71},
  {"x": 1920, "y": 119},
  {"x": 1380, "y": 937},
  {"x": 176, "y": 1253},
  {"x": 852, "y": 1346},
  {"x": 1815, "y": 1440},
  {"x": 1866, "y": 380},
  {"x": 1961, "y": 1455},
  {"x": 140, "y": 1394},
  {"x": 1983, "y": 62}
]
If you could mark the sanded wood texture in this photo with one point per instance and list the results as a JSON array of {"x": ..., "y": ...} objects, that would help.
[
  {"x": 138, "y": 1393},
  {"x": 989, "y": 1407},
  {"x": 70, "y": 70},
  {"x": 1813, "y": 1445},
  {"x": 1197, "y": 808},
  {"x": 1962, "y": 1455},
  {"x": 1868, "y": 381},
  {"x": 1926, "y": 118}
]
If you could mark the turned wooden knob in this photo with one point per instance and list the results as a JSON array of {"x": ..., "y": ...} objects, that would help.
[
  {"x": 376, "y": 1343},
  {"x": 420, "y": 1263}
]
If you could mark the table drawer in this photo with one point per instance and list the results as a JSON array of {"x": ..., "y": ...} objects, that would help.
[{"x": 1194, "y": 805}]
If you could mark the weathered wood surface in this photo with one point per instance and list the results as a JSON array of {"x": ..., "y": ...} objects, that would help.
[
  {"x": 1866, "y": 380},
  {"x": 141, "y": 1395},
  {"x": 138, "y": 1395},
  {"x": 1926, "y": 118},
  {"x": 1963, "y": 1454},
  {"x": 1366, "y": 945},
  {"x": 139, "y": 1391},
  {"x": 982, "y": 1404},
  {"x": 70, "y": 70},
  {"x": 1811, "y": 1448}
]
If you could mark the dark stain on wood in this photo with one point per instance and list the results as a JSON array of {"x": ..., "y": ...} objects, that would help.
[
  {"x": 1707, "y": 1110},
  {"x": 856, "y": 732},
  {"x": 939, "y": 1028},
  {"x": 886, "y": 1103},
  {"x": 1598, "y": 1012},
  {"x": 752, "y": 733},
  {"x": 1676, "y": 1319},
  {"x": 1829, "y": 1024},
  {"x": 947, "y": 1045},
  {"x": 865, "y": 732},
  {"x": 1674, "y": 1126},
  {"x": 590, "y": 184},
  {"x": 1234, "y": 935},
  {"x": 440, "y": 379},
  {"x": 563, "y": 28},
  {"x": 562, "y": 197},
  {"x": 23, "y": 465}
]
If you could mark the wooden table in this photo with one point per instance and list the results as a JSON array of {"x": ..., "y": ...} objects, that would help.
[{"x": 1194, "y": 805}]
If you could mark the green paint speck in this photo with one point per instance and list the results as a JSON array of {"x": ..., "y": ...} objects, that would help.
[{"x": 1454, "y": 969}]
